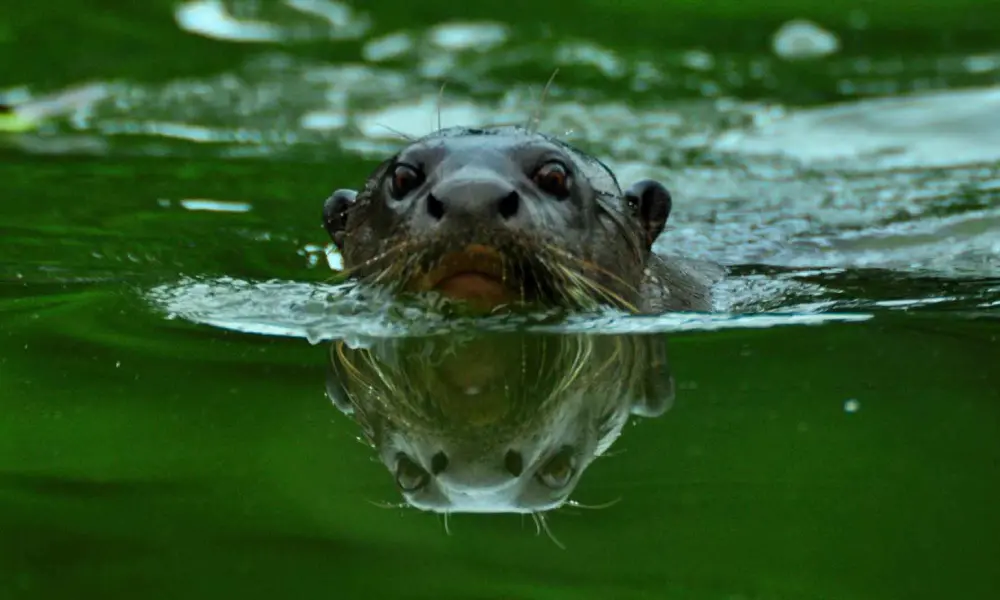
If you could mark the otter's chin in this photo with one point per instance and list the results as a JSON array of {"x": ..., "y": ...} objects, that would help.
[
  {"x": 477, "y": 289},
  {"x": 477, "y": 275}
]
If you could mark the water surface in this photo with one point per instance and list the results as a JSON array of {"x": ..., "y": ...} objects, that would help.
[{"x": 167, "y": 307}]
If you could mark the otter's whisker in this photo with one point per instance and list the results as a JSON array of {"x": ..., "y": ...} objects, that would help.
[
  {"x": 388, "y": 253},
  {"x": 440, "y": 101},
  {"x": 576, "y": 504},
  {"x": 614, "y": 453},
  {"x": 545, "y": 526},
  {"x": 576, "y": 294},
  {"x": 399, "y": 267},
  {"x": 580, "y": 360},
  {"x": 406, "y": 137},
  {"x": 562, "y": 281},
  {"x": 406, "y": 266},
  {"x": 447, "y": 525},
  {"x": 582, "y": 281},
  {"x": 502, "y": 124},
  {"x": 606, "y": 293},
  {"x": 541, "y": 102},
  {"x": 582, "y": 262},
  {"x": 384, "y": 504},
  {"x": 387, "y": 273},
  {"x": 588, "y": 265}
]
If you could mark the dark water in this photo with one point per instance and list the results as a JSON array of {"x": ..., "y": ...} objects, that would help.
[{"x": 167, "y": 318}]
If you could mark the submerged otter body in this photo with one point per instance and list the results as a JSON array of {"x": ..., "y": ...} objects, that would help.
[{"x": 504, "y": 215}]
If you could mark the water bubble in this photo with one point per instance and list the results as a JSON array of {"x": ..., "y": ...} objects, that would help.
[
  {"x": 852, "y": 406},
  {"x": 585, "y": 53},
  {"x": 801, "y": 39},
  {"x": 196, "y": 204},
  {"x": 699, "y": 60},
  {"x": 387, "y": 47},
  {"x": 334, "y": 259},
  {"x": 981, "y": 64},
  {"x": 468, "y": 36},
  {"x": 211, "y": 19}
]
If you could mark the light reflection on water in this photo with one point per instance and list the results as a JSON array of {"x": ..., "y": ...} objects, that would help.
[
  {"x": 214, "y": 19},
  {"x": 929, "y": 130}
]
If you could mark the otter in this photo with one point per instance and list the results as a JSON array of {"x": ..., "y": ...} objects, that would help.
[
  {"x": 491, "y": 422},
  {"x": 505, "y": 215}
]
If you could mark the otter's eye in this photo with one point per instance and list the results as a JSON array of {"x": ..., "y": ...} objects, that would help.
[
  {"x": 410, "y": 477},
  {"x": 553, "y": 178},
  {"x": 558, "y": 471},
  {"x": 404, "y": 180}
]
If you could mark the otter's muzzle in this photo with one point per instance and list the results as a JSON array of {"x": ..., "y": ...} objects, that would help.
[{"x": 474, "y": 196}]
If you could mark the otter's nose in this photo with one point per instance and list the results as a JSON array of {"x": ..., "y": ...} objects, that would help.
[
  {"x": 477, "y": 475},
  {"x": 477, "y": 195}
]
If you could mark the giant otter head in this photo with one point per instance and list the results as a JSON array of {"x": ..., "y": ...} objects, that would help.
[
  {"x": 497, "y": 422},
  {"x": 499, "y": 216}
]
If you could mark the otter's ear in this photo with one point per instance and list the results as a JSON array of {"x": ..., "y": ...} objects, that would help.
[
  {"x": 650, "y": 202},
  {"x": 335, "y": 215},
  {"x": 657, "y": 387},
  {"x": 657, "y": 397}
]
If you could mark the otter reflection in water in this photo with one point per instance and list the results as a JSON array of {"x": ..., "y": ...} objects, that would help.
[{"x": 497, "y": 422}]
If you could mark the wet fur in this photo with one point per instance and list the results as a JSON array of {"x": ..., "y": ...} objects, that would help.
[{"x": 581, "y": 270}]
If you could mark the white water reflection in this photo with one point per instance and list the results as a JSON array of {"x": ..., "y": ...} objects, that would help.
[
  {"x": 930, "y": 130},
  {"x": 211, "y": 19},
  {"x": 388, "y": 47},
  {"x": 606, "y": 61},
  {"x": 337, "y": 14},
  {"x": 215, "y": 19},
  {"x": 421, "y": 116},
  {"x": 802, "y": 39},
  {"x": 965, "y": 244},
  {"x": 199, "y": 204},
  {"x": 481, "y": 37}
]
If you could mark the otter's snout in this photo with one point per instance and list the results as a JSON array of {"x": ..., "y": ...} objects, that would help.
[
  {"x": 474, "y": 475},
  {"x": 477, "y": 196}
]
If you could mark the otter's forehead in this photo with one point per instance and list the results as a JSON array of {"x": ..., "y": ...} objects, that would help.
[{"x": 499, "y": 147}]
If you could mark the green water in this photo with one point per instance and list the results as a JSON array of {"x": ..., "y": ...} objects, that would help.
[{"x": 165, "y": 430}]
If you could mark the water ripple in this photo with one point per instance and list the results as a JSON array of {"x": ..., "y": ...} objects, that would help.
[{"x": 323, "y": 312}]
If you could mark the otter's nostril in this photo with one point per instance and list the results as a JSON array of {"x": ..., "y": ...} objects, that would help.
[
  {"x": 513, "y": 463},
  {"x": 439, "y": 462},
  {"x": 510, "y": 204},
  {"x": 435, "y": 208}
]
